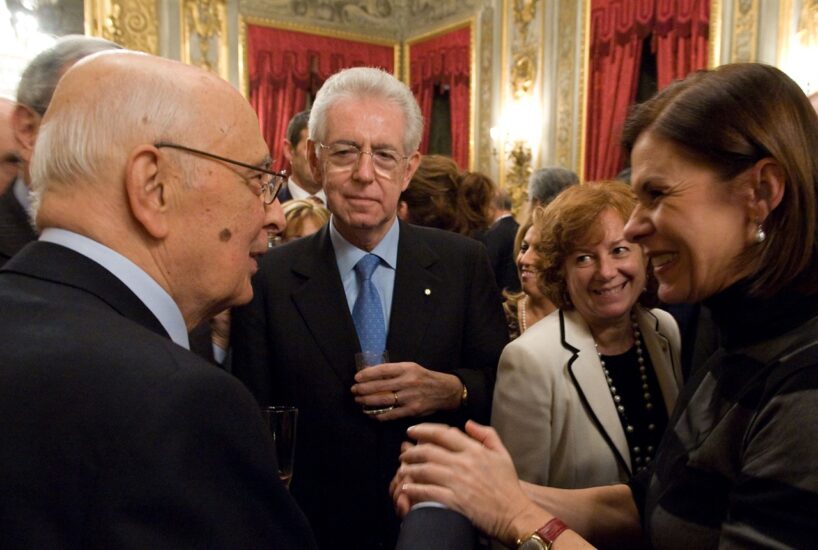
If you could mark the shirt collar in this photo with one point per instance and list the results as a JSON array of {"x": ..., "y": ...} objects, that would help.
[
  {"x": 22, "y": 194},
  {"x": 155, "y": 298},
  {"x": 347, "y": 254},
  {"x": 298, "y": 192}
]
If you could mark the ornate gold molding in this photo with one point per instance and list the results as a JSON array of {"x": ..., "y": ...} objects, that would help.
[
  {"x": 714, "y": 38},
  {"x": 484, "y": 97},
  {"x": 566, "y": 107},
  {"x": 524, "y": 54},
  {"x": 130, "y": 23},
  {"x": 204, "y": 34},
  {"x": 807, "y": 29},
  {"x": 744, "y": 45},
  {"x": 318, "y": 31}
]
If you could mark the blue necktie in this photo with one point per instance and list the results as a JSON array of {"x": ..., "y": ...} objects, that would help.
[{"x": 367, "y": 314}]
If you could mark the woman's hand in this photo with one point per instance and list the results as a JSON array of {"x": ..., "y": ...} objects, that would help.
[{"x": 472, "y": 474}]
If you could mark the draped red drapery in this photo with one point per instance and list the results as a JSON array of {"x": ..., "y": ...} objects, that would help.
[
  {"x": 444, "y": 60},
  {"x": 680, "y": 33},
  {"x": 285, "y": 66},
  {"x": 679, "y": 30}
]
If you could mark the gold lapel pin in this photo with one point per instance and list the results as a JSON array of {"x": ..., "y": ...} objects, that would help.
[{"x": 427, "y": 292}]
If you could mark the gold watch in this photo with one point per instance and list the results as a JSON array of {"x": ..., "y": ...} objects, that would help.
[{"x": 544, "y": 537}]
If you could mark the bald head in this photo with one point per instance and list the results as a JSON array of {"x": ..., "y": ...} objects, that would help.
[
  {"x": 94, "y": 120},
  {"x": 8, "y": 146},
  {"x": 125, "y": 157}
]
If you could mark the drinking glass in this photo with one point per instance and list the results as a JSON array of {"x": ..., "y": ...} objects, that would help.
[
  {"x": 364, "y": 359},
  {"x": 281, "y": 421}
]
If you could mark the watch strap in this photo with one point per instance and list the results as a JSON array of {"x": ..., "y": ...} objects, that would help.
[{"x": 551, "y": 530}]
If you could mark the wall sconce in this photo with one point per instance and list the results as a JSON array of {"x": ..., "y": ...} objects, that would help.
[{"x": 515, "y": 139}]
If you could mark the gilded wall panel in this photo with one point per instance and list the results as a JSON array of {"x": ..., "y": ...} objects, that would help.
[
  {"x": 204, "y": 34},
  {"x": 131, "y": 23},
  {"x": 745, "y": 31},
  {"x": 486, "y": 47}
]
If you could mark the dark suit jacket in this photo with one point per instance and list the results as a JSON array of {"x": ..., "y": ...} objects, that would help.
[
  {"x": 499, "y": 241},
  {"x": 284, "y": 193},
  {"x": 15, "y": 230},
  {"x": 112, "y": 436},
  {"x": 295, "y": 344},
  {"x": 436, "y": 529}
]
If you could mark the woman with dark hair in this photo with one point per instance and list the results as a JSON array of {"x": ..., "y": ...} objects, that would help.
[
  {"x": 440, "y": 195},
  {"x": 582, "y": 398},
  {"x": 726, "y": 173}
]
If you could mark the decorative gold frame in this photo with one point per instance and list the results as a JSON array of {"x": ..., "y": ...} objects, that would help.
[
  {"x": 204, "y": 34},
  {"x": 471, "y": 24},
  {"x": 133, "y": 24},
  {"x": 318, "y": 31}
]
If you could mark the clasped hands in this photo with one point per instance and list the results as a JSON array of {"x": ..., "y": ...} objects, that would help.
[
  {"x": 407, "y": 387},
  {"x": 471, "y": 473}
]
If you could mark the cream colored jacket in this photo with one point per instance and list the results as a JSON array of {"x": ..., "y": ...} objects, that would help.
[{"x": 552, "y": 406}]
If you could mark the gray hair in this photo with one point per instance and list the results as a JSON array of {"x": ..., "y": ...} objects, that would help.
[
  {"x": 82, "y": 144},
  {"x": 360, "y": 82},
  {"x": 546, "y": 183},
  {"x": 40, "y": 77}
]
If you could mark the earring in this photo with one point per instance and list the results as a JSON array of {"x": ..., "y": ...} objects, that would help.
[{"x": 761, "y": 236}]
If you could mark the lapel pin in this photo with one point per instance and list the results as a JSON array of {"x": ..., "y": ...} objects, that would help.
[{"x": 427, "y": 292}]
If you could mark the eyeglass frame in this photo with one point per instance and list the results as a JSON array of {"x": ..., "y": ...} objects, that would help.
[
  {"x": 274, "y": 187},
  {"x": 371, "y": 153}
]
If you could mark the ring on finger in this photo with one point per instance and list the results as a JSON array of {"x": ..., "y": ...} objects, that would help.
[{"x": 395, "y": 394}]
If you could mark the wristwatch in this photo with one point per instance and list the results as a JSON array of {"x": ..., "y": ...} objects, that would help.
[{"x": 544, "y": 537}]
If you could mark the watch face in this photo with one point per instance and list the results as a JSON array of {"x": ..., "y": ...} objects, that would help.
[{"x": 533, "y": 543}]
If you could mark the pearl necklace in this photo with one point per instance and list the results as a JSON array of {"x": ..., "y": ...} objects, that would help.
[
  {"x": 640, "y": 460},
  {"x": 521, "y": 304}
]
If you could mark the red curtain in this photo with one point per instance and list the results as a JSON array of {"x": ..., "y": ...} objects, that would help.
[
  {"x": 444, "y": 60},
  {"x": 618, "y": 28},
  {"x": 680, "y": 35},
  {"x": 285, "y": 66}
]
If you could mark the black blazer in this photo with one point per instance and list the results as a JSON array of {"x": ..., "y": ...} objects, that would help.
[
  {"x": 112, "y": 436},
  {"x": 499, "y": 241},
  {"x": 15, "y": 229},
  {"x": 295, "y": 344}
]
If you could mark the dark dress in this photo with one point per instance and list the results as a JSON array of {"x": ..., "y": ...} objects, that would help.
[{"x": 738, "y": 466}]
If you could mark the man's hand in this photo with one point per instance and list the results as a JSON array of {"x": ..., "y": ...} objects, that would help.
[{"x": 411, "y": 389}]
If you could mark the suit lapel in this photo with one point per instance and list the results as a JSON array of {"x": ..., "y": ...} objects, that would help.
[
  {"x": 586, "y": 372},
  {"x": 55, "y": 263},
  {"x": 322, "y": 304},
  {"x": 417, "y": 290}
]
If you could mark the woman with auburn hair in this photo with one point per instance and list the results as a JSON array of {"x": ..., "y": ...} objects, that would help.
[
  {"x": 726, "y": 173},
  {"x": 440, "y": 195},
  {"x": 582, "y": 398}
]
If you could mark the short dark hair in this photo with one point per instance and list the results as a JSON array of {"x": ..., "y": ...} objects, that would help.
[
  {"x": 730, "y": 118},
  {"x": 502, "y": 200},
  {"x": 297, "y": 124}
]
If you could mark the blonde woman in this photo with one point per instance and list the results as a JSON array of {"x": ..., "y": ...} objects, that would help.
[{"x": 304, "y": 217}]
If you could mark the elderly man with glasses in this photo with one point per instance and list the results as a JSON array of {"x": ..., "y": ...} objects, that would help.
[
  {"x": 367, "y": 282},
  {"x": 154, "y": 202}
]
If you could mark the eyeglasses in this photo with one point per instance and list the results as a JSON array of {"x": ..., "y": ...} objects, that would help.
[
  {"x": 269, "y": 185},
  {"x": 345, "y": 156}
]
